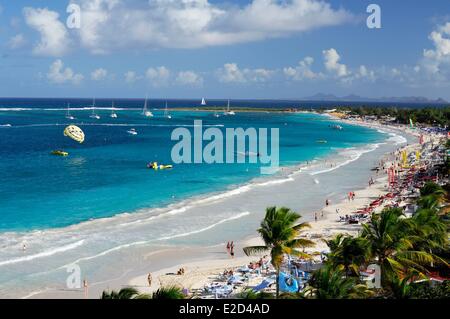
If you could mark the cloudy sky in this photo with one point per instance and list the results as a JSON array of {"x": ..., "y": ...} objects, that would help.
[{"x": 224, "y": 49}]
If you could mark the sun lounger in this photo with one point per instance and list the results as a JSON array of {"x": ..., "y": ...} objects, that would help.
[{"x": 263, "y": 285}]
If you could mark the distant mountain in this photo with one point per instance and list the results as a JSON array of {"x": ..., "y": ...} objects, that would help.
[{"x": 357, "y": 98}]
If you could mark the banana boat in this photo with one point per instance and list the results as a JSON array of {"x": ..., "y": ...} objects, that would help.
[
  {"x": 59, "y": 153},
  {"x": 155, "y": 166}
]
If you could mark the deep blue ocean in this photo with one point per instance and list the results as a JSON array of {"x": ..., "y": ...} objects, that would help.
[{"x": 107, "y": 174}]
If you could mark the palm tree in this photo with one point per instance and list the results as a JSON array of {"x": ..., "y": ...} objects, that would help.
[
  {"x": 401, "y": 286},
  {"x": 431, "y": 188},
  {"x": 331, "y": 283},
  {"x": 430, "y": 229},
  {"x": 431, "y": 196},
  {"x": 251, "y": 294},
  {"x": 280, "y": 231},
  {"x": 171, "y": 292},
  {"x": 392, "y": 242},
  {"x": 350, "y": 252},
  {"x": 124, "y": 293},
  {"x": 132, "y": 293}
]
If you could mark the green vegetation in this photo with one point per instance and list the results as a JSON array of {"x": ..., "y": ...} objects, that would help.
[
  {"x": 429, "y": 116},
  {"x": 124, "y": 293},
  {"x": 280, "y": 231},
  {"x": 407, "y": 250},
  {"x": 332, "y": 283},
  {"x": 132, "y": 293}
]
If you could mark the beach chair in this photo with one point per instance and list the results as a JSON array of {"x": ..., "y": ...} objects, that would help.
[{"x": 263, "y": 285}]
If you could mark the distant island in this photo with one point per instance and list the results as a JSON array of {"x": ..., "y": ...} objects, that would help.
[{"x": 357, "y": 98}]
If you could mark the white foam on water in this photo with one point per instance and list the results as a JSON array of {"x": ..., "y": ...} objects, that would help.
[
  {"x": 81, "y": 124},
  {"x": 397, "y": 139},
  {"x": 140, "y": 243},
  {"x": 206, "y": 228},
  {"x": 354, "y": 154},
  {"x": 45, "y": 253},
  {"x": 14, "y": 109}
]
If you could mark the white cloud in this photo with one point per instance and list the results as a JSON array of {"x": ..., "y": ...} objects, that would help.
[
  {"x": 54, "y": 38},
  {"x": 332, "y": 64},
  {"x": 436, "y": 62},
  {"x": 158, "y": 76},
  {"x": 198, "y": 23},
  {"x": 99, "y": 74},
  {"x": 60, "y": 75},
  {"x": 231, "y": 73},
  {"x": 189, "y": 78},
  {"x": 17, "y": 41},
  {"x": 302, "y": 71},
  {"x": 131, "y": 77}
]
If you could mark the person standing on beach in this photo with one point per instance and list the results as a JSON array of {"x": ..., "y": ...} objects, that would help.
[
  {"x": 315, "y": 216},
  {"x": 327, "y": 202},
  {"x": 321, "y": 214},
  {"x": 232, "y": 249},
  {"x": 228, "y": 247},
  {"x": 149, "y": 279},
  {"x": 86, "y": 288}
]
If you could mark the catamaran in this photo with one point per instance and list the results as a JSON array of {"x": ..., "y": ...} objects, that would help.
[
  {"x": 228, "y": 111},
  {"x": 145, "y": 111},
  {"x": 203, "y": 102},
  {"x": 68, "y": 116},
  {"x": 166, "y": 112},
  {"x": 113, "y": 114},
  {"x": 94, "y": 115}
]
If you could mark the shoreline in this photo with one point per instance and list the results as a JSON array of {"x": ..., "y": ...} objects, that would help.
[{"x": 191, "y": 257}]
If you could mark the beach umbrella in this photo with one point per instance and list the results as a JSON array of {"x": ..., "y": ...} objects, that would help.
[{"x": 75, "y": 133}]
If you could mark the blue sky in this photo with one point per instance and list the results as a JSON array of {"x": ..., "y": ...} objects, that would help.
[{"x": 220, "y": 49}]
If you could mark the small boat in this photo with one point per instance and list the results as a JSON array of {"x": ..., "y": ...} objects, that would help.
[
  {"x": 94, "y": 115},
  {"x": 113, "y": 114},
  {"x": 68, "y": 116},
  {"x": 203, "y": 102},
  {"x": 322, "y": 141},
  {"x": 59, "y": 153},
  {"x": 145, "y": 110},
  {"x": 216, "y": 114},
  {"x": 228, "y": 111},
  {"x": 166, "y": 112},
  {"x": 132, "y": 131}
]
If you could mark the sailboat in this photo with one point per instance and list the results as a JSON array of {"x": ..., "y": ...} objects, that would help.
[
  {"x": 94, "y": 115},
  {"x": 203, "y": 102},
  {"x": 166, "y": 112},
  {"x": 229, "y": 112},
  {"x": 145, "y": 111},
  {"x": 68, "y": 116},
  {"x": 113, "y": 114}
]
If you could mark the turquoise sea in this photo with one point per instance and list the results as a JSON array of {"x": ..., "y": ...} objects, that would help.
[{"x": 107, "y": 174}]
